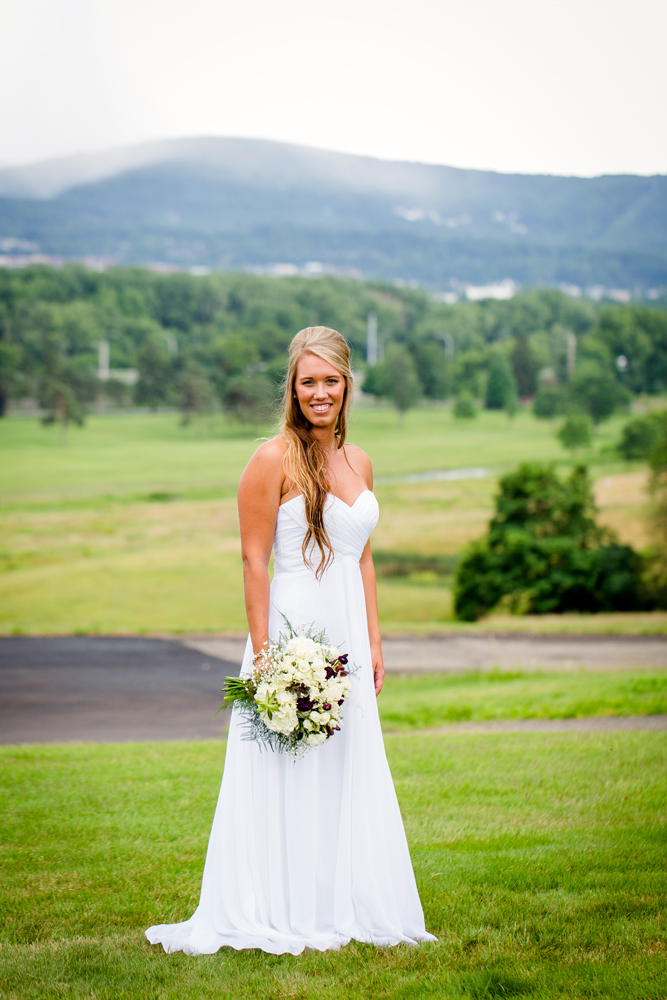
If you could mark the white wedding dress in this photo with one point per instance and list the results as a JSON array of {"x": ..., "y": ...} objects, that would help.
[{"x": 309, "y": 853}]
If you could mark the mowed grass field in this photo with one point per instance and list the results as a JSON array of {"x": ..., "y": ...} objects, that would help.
[
  {"x": 539, "y": 859},
  {"x": 130, "y": 526}
]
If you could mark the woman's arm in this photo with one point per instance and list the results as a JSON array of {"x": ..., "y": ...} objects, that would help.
[
  {"x": 361, "y": 463},
  {"x": 370, "y": 592},
  {"x": 258, "y": 500}
]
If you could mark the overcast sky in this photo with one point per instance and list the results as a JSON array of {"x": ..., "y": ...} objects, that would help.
[{"x": 535, "y": 86}]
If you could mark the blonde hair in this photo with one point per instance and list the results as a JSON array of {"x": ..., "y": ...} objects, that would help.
[{"x": 305, "y": 461}]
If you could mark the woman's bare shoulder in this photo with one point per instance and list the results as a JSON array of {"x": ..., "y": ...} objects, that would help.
[
  {"x": 268, "y": 458},
  {"x": 359, "y": 461}
]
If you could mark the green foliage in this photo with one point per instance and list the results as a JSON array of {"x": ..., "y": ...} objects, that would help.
[
  {"x": 657, "y": 573},
  {"x": 248, "y": 398},
  {"x": 658, "y": 453},
  {"x": 524, "y": 365},
  {"x": 575, "y": 432},
  {"x": 66, "y": 384},
  {"x": 595, "y": 389},
  {"x": 468, "y": 373},
  {"x": 432, "y": 368},
  {"x": 197, "y": 395},
  {"x": 544, "y": 553},
  {"x": 501, "y": 388},
  {"x": 638, "y": 438},
  {"x": 156, "y": 384},
  {"x": 639, "y": 334},
  {"x": 402, "y": 383},
  {"x": 10, "y": 363},
  {"x": 236, "y": 324},
  {"x": 464, "y": 407},
  {"x": 550, "y": 401}
]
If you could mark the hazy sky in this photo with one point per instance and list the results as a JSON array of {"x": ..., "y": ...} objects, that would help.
[{"x": 568, "y": 87}]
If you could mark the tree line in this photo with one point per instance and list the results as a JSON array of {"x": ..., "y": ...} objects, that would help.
[{"x": 201, "y": 343}]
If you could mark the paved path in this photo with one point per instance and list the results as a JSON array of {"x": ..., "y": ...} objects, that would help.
[
  {"x": 116, "y": 688},
  {"x": 484, "y": 652},
  {"x": 108, "y": 689}
]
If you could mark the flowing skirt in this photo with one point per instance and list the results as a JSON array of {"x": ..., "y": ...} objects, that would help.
[{"x": 308, "y": 853}]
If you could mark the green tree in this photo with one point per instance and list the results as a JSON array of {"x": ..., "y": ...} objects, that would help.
[
  {"x": 595, "y": 389},
  {"x": 403, "y": 386},
  {"x": 10, "y": 363},
  {"x": 197, "y": 396},
  {"x": 375, "y": 380},
  {"x": 575, "y": 432},
  {"x": 501, "y": 384},
  {"x": 248, "y": 399},
  {"x": 156, "y": 382},
  {"x": 524, "y": 365},
  {"x": 432, "y": 368},
  {"x": 545, "y": 553},
  {"x": 67, "y": 385}
]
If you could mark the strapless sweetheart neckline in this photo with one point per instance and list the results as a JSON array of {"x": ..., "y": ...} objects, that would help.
[{"x": 333, "y": 496}]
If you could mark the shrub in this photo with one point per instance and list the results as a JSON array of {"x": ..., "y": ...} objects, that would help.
[
  {"x": 638, "y": 438},
  {"x": 545, "y": 553},
  {"x": 550, "y": 401},
  {"x": 464, "y": 407},
  {"x": 575, "y": 432}
]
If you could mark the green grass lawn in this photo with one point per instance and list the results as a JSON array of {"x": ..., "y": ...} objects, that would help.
[
  {"x": 134, "y": 455},
  {"x": 417, "y": 700},
  {"x": 539, "y": 859},
  {"x": 131, "y": 525}
]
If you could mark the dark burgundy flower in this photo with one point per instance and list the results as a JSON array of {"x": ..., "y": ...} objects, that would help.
[
  {"x": 330, "y": 672},
  {"x": 326, "y": 706},
  {"x": 330, "y": 731},
  {"x": 343, "y": 658},
  {"x": 341, "y": 701},
  {"x": 304, "y": 704}
]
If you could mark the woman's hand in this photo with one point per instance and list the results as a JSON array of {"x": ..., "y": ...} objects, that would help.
[{"x": 378, "y": 673}]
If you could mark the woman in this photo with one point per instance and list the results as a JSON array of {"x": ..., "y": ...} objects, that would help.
[{"x": 308, "y": 853}]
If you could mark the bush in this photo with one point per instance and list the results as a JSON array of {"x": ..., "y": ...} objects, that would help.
[
  {"x": 638, "y": 438},
  {"x": 545, "y": 553},
  {"x": 550, "y": 401},
  {"x": 575, "y": 432},
  {"x": 464, "y": 407}
]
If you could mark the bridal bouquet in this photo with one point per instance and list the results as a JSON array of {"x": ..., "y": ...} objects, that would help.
[{"x": 293, "y": 699}]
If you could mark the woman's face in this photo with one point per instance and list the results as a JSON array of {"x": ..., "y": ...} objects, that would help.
[{"x": 320, "y": 390}]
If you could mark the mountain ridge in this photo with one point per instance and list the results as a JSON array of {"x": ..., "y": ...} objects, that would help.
[{"x": 154, "y": 198}]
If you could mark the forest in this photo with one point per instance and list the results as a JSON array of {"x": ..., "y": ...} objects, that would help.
[{"x": 202, "y": 343}]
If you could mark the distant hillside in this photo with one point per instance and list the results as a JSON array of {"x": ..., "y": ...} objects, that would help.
[{"x": 245, "y": 202}]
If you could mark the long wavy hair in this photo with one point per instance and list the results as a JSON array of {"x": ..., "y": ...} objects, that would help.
[{"x": 305, "y": 460}]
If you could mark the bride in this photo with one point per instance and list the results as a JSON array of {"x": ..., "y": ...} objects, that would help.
[{"x": 308, "y": 853}]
